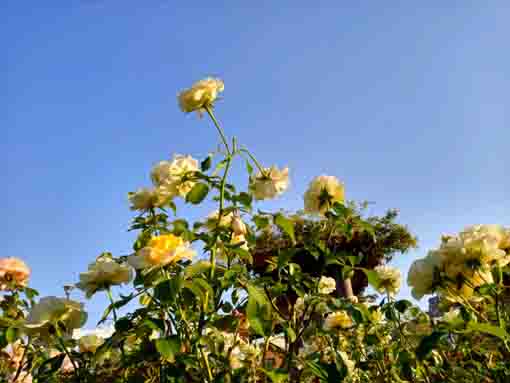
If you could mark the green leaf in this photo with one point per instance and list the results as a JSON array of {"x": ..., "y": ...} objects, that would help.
[
  {"x": 260, "y": 221},
  {"x": 51, "y": 365},
  {"x": 197, "y": 268},
  {"x": 402, "y": 305},
  {"x": 197, "y": 193},
  {"x": 277, "y": 376},
  {"x": 286, "y": 225},
  {"x": 372, "y": 277},
  {"x": 291, "y": 334},
  {"x": 259, "y": 311},
  {"x": 489, "y": 329},
  {"x": 169, "y": 347},
  {"x": 11, "y": 334},
  {"x": 249, "y": 168},
  {"x": 428, "y": 343},
  {"x": 205, "y": 165}
]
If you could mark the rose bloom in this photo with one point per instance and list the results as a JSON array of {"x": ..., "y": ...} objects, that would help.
[
  {"x": 167, "y": 175},
  {"x": 270, "y": 184},
  {"x": 339, "y": 319},
  {"x": 202, "y": 94},
  {"x": 102, "y": 274},
  {"x": 13, "y": 273},
  {"x": 145, "y": 198},
  {"x": 90, "y": 343},
  {"x": 421, "y": 274},
  {"x": 327, "y": 285},
  {"x": 160, "y": 251},
  {"x": 389, "y": 279},
  {"x": 51, "y": 311},
  {"x": 322, "y": 193}
]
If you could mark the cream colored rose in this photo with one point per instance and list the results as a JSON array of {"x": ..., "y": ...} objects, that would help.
[
  {"x": 327, "y": 285},
  {"x": 90, "y": 343},
  {"x": 339, "y": 319},
  {"x": 389, "y": 279},
  {"x": 421, "y": 274},
  {"x": 145, "y": 198},
  {"x": 270, "y": 185},
  {"x": 202, "y": 94},
  {"x": 52, "y": 312},
  {"x": 322, "y": 193},
  {"x": 102, "y": 274},
  {"x": 160, "y": 251},
  {"x": 168, "y": 176},
  {"x": 13, "y": 273}
]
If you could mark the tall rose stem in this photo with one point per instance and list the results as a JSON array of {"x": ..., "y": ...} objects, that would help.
[{"x": 218, "y": 127}]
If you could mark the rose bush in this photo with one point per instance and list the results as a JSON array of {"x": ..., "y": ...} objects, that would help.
[{"x": 245, "y": 295}]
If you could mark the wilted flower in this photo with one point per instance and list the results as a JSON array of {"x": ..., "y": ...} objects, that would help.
[
  {"x": 102, "y": 274},
  {"x": 51, "y": 313},
  {"x": 327, "y": 285},
  {"x": 13, "y": 273},
  {"x": 202, "y": 94},
  {"x": 168, "y": 176},
  {"x": 339, "y": 319},
  {"x": 270, "y": 184},
  {"x": 90, "y": 343},
  {"x": 160, "y": 251},
  {"x": 322, "y": 193},
  {"x": 389, "y": 279}
]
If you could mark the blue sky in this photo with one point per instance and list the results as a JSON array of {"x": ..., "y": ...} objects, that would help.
[{"x": 408, "y": 103}]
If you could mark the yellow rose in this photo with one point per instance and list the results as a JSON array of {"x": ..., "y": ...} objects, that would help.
[
  {"x": 202, "y": 94},
  {"x": 52, "y": 312},
  {"x": 90, "y": 343},
  {"x": 270, "y": 184},
  {"x": 102, "y": 274},
  {"x": 339, "y": 319},
  {"x": 160, "y": 251},
  {"x": 389, "y": 279},
  {"x": 13, "y": 273},
  {"x": 322, "y": 193}
]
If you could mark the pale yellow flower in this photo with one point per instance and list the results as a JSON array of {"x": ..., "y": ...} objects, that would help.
[
  {"x": 90, "y": 343},
  {"x": 421, "y": 274},
  {"x": 270, "y": 184},
  {"x": 327, "y": 285},
  {"x": 202, "y": 94},
  {"x": 145, "y": 198},
  {"x": 339, "y": 319},
  {"x": 322, "y": 193},
  {"x": 168, "y": 176},
  {"x": 52, "y": 312},
  {"x": 389, "y": 279},
  {"x": 238, "y": 226},
  {"x": 13, "y": 273},
  {"x": 160, "y": 251},
  {"x": 102, "y": 274}
]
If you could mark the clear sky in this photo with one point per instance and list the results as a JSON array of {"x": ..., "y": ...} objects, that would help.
[{"x": 407, "y": 102}]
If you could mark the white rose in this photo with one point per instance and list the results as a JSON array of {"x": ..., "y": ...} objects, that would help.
[
  {"x": 322, "y": 193},
  {"x": 389, "y": 279},
  {"x": 270, "y": 185},
  {"x": 327, "y": 285},
  {"x": 102, "y": 274}
]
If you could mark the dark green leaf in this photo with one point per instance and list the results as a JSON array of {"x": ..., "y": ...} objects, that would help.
[
  {"x": 169, "y": 347},
  {"x": 205, "y": 165},
  {"x": 428, "y": 343},
  {"x": 286, "y": 225},
  {"x": 197, "y": 193}
]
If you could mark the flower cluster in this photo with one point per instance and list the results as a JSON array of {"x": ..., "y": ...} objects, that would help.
[{"x": 462, "y": 262}]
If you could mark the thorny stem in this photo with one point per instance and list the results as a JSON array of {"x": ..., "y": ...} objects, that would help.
[{"x": 218, "y": 127}]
